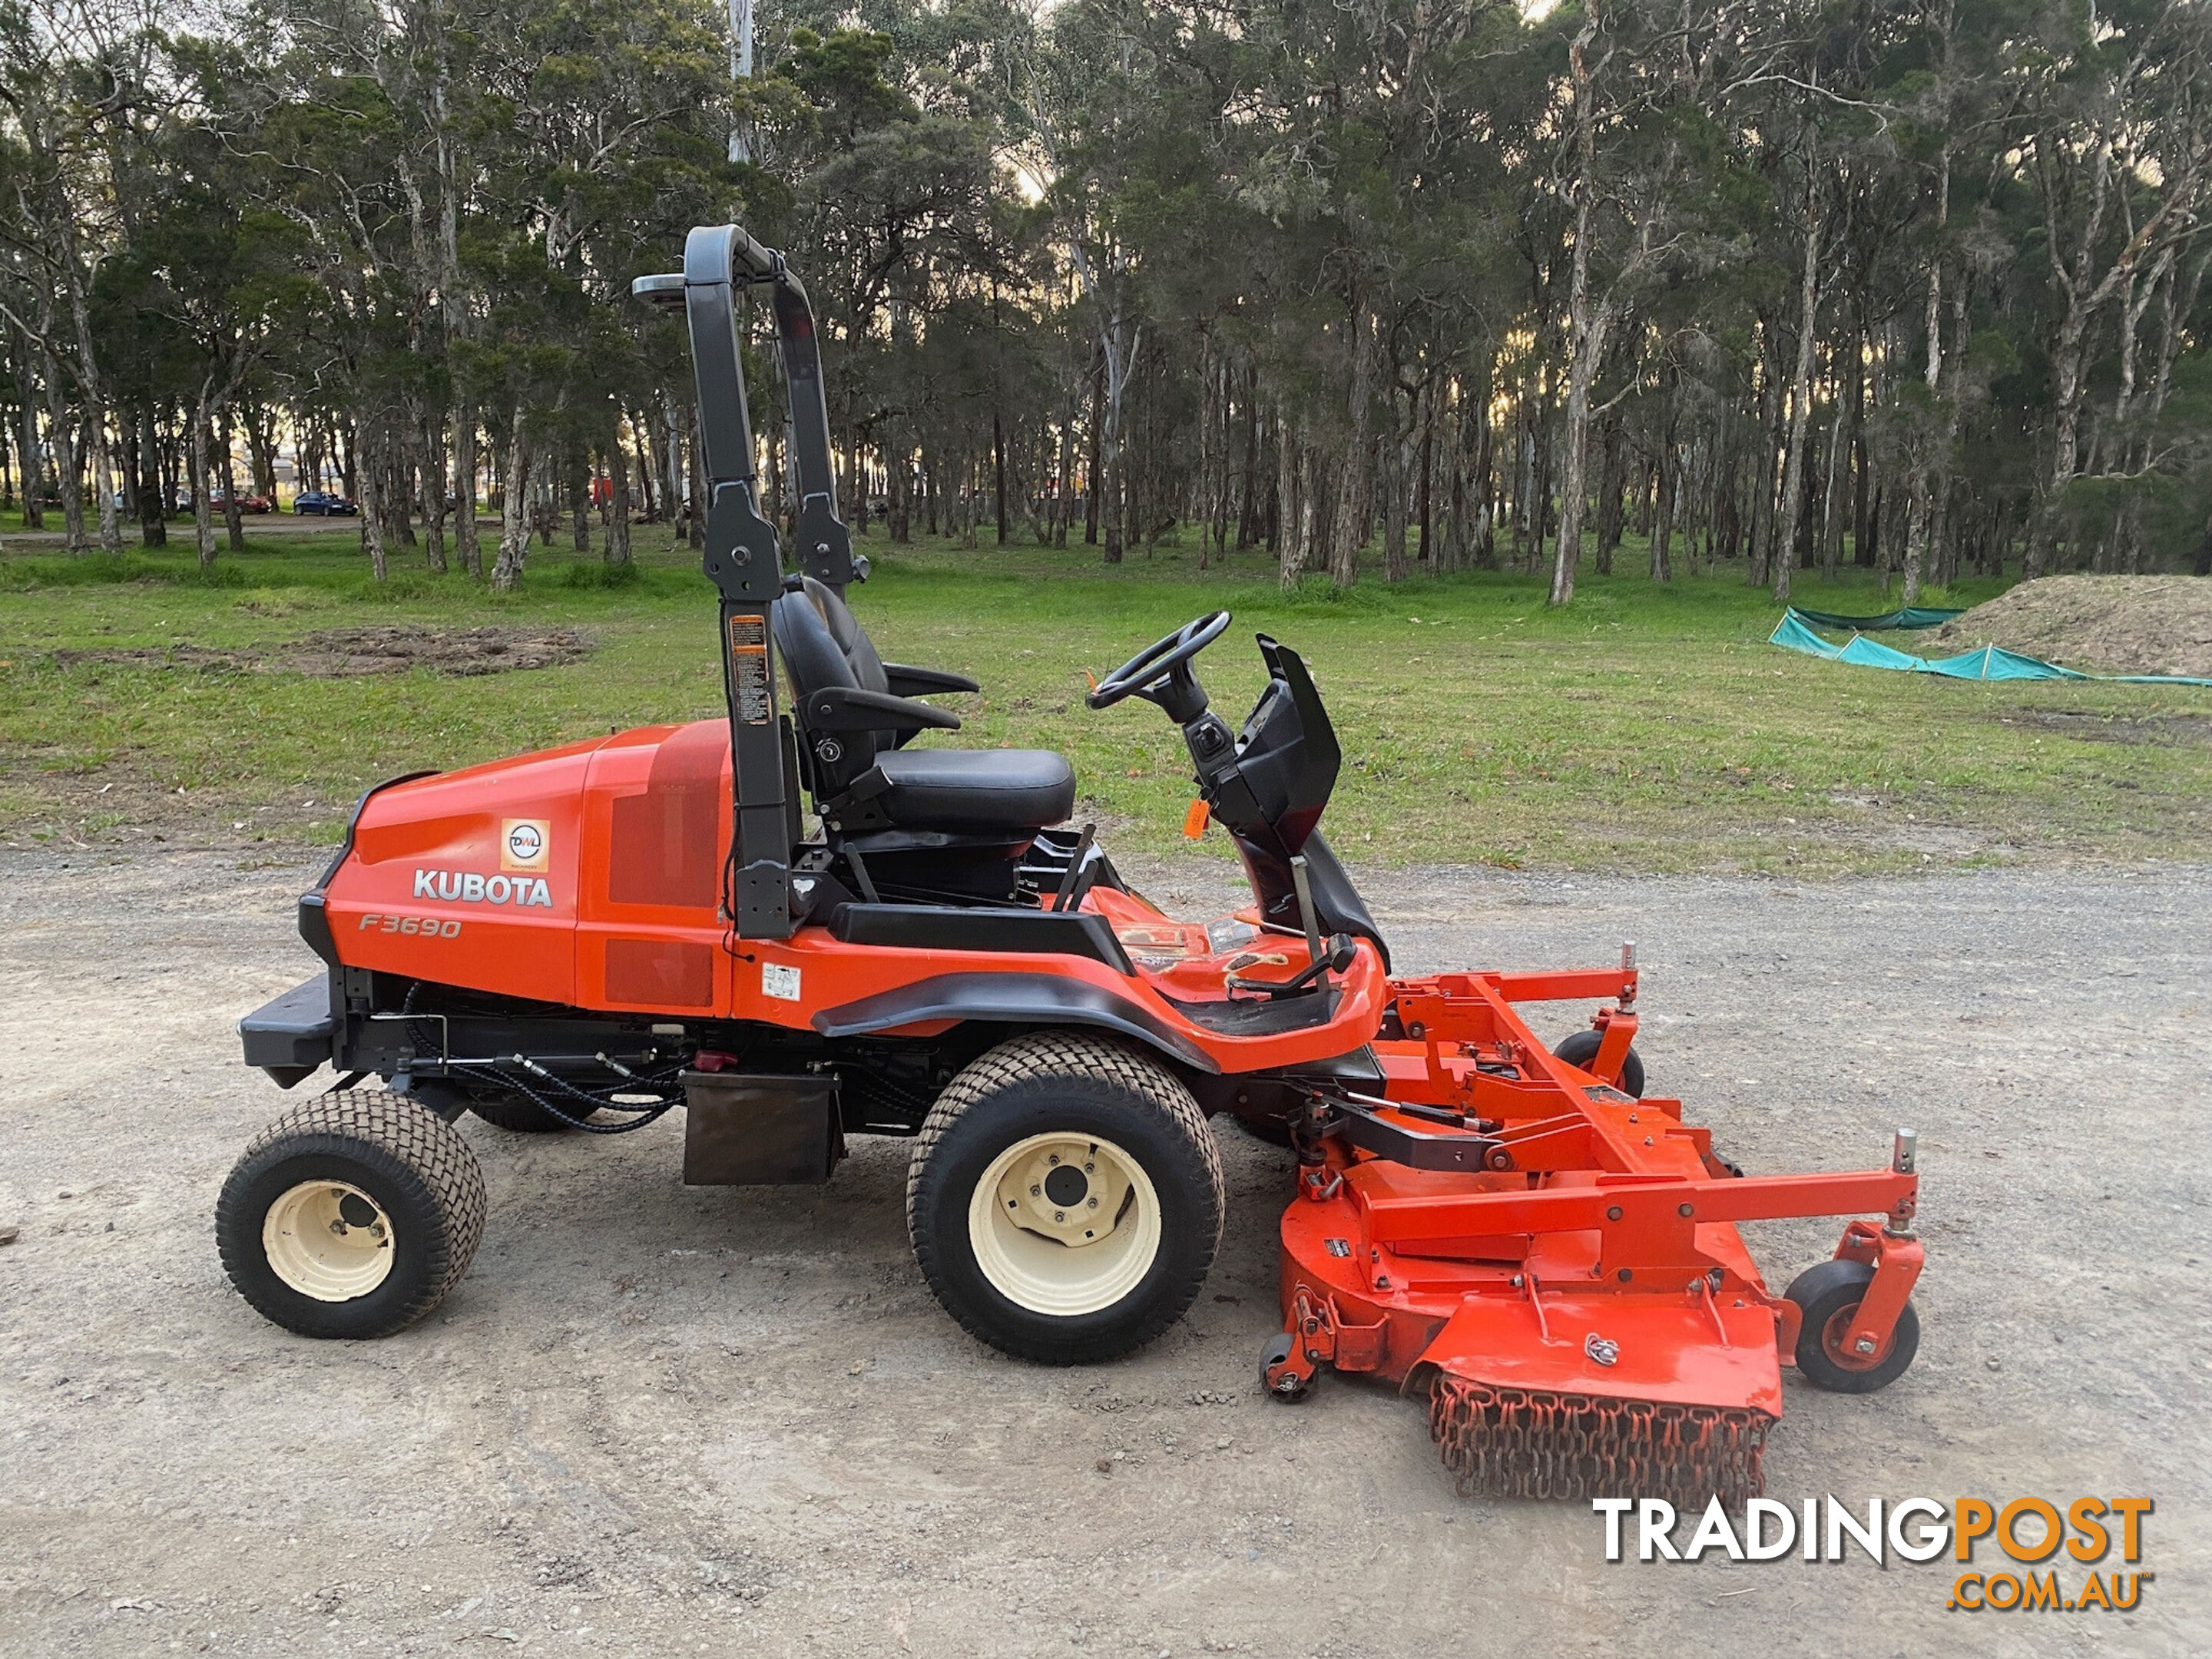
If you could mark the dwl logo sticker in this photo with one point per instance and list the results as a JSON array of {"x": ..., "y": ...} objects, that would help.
[{"x": 525, "y": 844}]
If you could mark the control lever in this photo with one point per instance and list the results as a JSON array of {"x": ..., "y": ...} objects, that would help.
[
  {"x": 1338, "y": 954},
  {"x": 1078, "y": 879},
  {"x": 1299, "y": 881}
]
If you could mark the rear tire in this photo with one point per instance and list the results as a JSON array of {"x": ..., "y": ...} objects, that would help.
[
  {"x": 1064, "y": 1198},
  {"x": 351, "y": 1216}
]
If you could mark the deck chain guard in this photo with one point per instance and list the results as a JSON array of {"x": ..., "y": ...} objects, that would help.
[{"x": 1523, "y": 1443}]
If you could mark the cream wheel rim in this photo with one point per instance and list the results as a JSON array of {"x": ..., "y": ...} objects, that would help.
[
  {"x": 328, "y": 1240},
  {"x": 1064, "y": 1224}
]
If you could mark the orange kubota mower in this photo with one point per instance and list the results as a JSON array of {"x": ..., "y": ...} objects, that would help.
[{"x": 585, "y": 939}]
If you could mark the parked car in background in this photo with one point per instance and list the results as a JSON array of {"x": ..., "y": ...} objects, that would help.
[
  {"x": 248, "y": 502},
  {"x": 322, "y": 504}
]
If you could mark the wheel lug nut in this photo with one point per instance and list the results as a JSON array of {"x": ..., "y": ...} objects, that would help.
[
  {"x": 1060, "y": 1215},
  {"x": 1052, "y": 1158},
  {"x": 1864, "y": 1345},
  {"x": 1035, "y": 1189},
  {"x": 1094, "y": 1203}
]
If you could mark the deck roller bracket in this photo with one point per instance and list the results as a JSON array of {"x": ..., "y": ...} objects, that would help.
[{"x": 1628, "y": 976}]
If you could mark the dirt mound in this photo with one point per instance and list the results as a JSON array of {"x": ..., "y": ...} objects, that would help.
[
  {"x": 343, "y": 653},
  {"x": 338, "y": 654},
  {"x": 2099, "y": 624}
]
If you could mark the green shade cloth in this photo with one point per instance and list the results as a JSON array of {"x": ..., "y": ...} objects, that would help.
[
  {"x": 1912, "y": 615},
  {"x": 1990, "y": 662}
]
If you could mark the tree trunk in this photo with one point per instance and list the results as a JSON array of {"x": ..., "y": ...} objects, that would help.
[
  {"x": 69, "y": 467},
  {"x": 35, "y": 470},
  {"x": 431, "y": 474},
  {"x": 998, "y": 475},
  {"x": 1916, "y": 542},
  {"x": 234, "y": 519},
  {"x": 1094, "y": 428},
  {"x": 579, "y": 497},
  {"x": 1612, "y": 487},
  {"x": 1800, "y": 398},
  {"x": 371, "y": 485},
  {"x": 898, "y": 520},
  {"x": 1247, "y": 521},
  {"x": 513, "y": 527},
  {"x": 153, "y": 511},
  {"x": 1063, "y": 490},
  {"x": 617, "y": 548},
  {"x": 1288, "y": 467},
  {"x": 467, "y": 542},
  {"x": 399, "y": 488},
  {"x": 203, "y": 508},
  {"x": 1401, "y": 456},
  {"x": 1112, "y": 462},
  {"x": 1356, "y": 488}
]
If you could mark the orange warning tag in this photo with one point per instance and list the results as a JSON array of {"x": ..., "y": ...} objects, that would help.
[{"x": 1194, "y": 821}]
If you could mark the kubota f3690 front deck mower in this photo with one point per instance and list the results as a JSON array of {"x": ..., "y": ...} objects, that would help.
[{"x": 586, "y": 939}]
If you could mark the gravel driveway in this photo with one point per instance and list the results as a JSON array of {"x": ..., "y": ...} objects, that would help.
[{"x": 661, "y": 1420}]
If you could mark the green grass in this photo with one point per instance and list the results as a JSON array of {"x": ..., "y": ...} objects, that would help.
[{"x": 1642, "y": 729}]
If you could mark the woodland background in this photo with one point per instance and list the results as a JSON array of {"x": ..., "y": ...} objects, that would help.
[{"x": 1362, "y": 287}]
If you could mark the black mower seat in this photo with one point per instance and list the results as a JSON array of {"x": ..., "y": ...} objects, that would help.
[
  {"x": 976, "y": 788},
  {"x": 954, "y": 790}
]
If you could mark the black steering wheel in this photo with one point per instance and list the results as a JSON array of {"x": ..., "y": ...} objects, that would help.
[{"x": 1161, "y": 672}]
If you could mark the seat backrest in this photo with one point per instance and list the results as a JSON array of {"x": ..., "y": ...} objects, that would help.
[
  {"x": 809, "y": 621},
  {"x": 851, "y": 639}
]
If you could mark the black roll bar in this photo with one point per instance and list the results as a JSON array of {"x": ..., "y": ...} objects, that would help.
[{"x": 743, "y": 553}]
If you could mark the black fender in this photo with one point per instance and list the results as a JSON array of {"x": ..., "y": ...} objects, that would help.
[
  {"x": 314, "y": 924},
  {"x": 1028, "y": 999}
]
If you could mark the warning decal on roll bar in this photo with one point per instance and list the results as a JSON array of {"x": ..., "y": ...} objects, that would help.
[{"x": 749, "y": 678}]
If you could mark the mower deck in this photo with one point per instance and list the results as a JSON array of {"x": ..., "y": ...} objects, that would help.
[{"x": 1556, "y": 1263}]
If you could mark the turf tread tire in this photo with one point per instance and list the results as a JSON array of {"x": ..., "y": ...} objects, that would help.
[
  {"x": 397, "y": 1141},
  {"x": 1070, "y": 1055}
]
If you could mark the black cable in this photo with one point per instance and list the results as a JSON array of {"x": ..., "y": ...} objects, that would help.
[{"x": 597, "y": 1100}]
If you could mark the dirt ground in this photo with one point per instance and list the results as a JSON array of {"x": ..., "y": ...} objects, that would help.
[
  {"x": 344, "y": 653},
  {"x": 660, "y": 1421},
  {"x": 2099, "y": 625}
]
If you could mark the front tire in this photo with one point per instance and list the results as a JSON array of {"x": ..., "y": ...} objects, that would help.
[
  {"x": 1064, "y": 1198},
  {"x": 351, "y": 1216}
]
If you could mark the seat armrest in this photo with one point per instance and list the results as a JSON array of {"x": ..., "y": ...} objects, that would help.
[
  {"x": 847, "y": 708},
  {"x": 910, "y": 682}
]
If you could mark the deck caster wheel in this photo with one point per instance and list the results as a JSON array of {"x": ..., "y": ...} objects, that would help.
[
  {"x": 1828, "y": 1298},
  {"x": 1581, "y": 1048},
  {"x": 1277, "y": 1377},
  {"x": 351, "y": 1216},
  {"x": 1064, "y": 1198}
]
